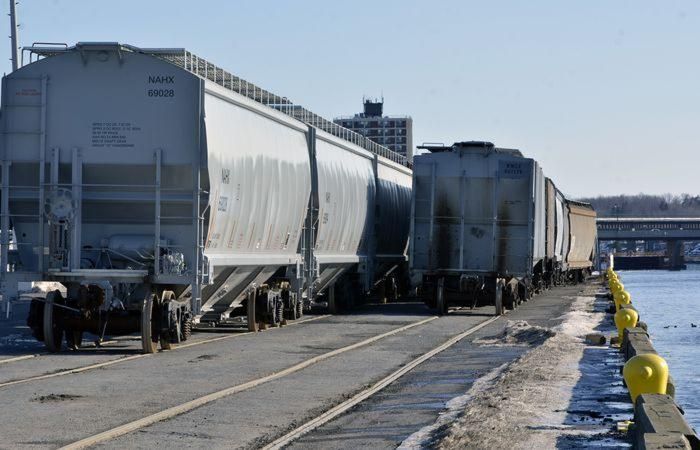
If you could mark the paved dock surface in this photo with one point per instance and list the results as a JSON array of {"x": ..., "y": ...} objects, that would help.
[{"x": 58, "y": 410}]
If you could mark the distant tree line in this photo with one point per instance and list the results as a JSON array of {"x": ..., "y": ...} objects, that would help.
[{"x": 643, "y": 205}]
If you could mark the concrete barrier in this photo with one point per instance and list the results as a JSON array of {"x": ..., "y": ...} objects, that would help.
[
  {"x": 665, "y": 441},
  {"x": 659, "y": 414},
  {"x": 635, "y": 342},
  {"x": 658, "y": 420}
]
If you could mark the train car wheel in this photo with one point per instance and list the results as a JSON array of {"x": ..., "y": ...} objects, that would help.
[
  {"x": 300, "y": 307},
  {"x": 149, "y": 330},
  {"x": 429, "y": 294},
  {"x": 440, "y": 300},
  {"x": 498, "y": 300},
  {"x": 164, "y": 337},
  {"x": 53, "y": 333},
  {"x": 333, "y": 306},
  {"x": 290, "y": 306},
  {"x": 296, "y": 310},
  {"x": 250, "y": 301}
]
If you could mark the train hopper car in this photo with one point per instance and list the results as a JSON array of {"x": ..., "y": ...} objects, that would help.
[
  {"x": 478, "y": 225},
  {"x": 557, "y": 235},
  {"x": 162, "y": 191},
  {"x": 582, "y": 240}
]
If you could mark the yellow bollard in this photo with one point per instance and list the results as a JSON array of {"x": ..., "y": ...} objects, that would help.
[
  {"x": 645, "y": 374},
  {"x": 622, "y": 298},
  {"x": 625, "y": 318},
  {"x": 617, "y": 287},
  {"x": 614, "y": 287}
]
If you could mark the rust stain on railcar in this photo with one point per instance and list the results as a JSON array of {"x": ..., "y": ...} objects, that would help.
[
  {"x": 444, "y": 239},
  {"x": 502, "y": 236}
]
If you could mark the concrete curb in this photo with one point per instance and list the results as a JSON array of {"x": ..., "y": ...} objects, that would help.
[{"x": 658, "y": 414}]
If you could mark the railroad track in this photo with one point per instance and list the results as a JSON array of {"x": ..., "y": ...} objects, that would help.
[
  {"x": 124, "y": 359},
  {"x": 337, "y": 410},
  {"x": 186, "y": 407},
  {"x": 44, "y": 353}
]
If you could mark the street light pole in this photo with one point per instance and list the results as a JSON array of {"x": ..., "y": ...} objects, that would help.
[{"x": 13, "y": 34}]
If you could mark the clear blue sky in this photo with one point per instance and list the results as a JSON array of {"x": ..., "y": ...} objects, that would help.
[{"x": 605, "y": 94}]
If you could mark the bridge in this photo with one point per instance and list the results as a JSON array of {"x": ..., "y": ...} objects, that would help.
[
  {"x": 645, "y": 229},
  {"x": 673, "y": 230}
]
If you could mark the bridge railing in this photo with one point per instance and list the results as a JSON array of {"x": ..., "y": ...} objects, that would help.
[{"x": 647, "y": 226}]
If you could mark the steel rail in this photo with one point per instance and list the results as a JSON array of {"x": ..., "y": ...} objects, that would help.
[
  {"x": 133, "y": 357},
  {"x": 45, "y": 353},
  {"x": 235, "y": 389},
  {"x": 19, "y": 358},
  {"x": 339, "y": 409}
]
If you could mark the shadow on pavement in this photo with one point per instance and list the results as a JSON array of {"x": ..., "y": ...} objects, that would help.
[{"x": 599, "y": 400}]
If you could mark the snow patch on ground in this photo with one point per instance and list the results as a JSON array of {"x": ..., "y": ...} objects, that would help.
[
  {"x": 581, "y": 319},
  {"x": 518, "y": 333},
  {"x": 529, "y": 403},
  {"x": 425, "y": 437},
  {"x": 526, "y": 407}
]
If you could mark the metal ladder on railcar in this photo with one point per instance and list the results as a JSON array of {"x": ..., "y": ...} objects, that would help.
[{"x": 8, "y": 288}]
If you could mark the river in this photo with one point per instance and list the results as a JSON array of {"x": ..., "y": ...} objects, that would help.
[{"x": 669, "y": 302}]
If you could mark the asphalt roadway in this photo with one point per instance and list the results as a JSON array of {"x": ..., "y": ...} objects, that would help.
[{"x": 58, "y": 410}]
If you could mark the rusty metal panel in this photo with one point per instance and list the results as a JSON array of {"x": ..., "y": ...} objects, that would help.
[{"x": 477, "y": 211}]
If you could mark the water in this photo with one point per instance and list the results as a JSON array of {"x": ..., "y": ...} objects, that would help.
[{"x": 669, "y": 302}]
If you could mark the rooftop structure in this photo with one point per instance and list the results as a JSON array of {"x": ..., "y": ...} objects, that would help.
[{"x": 393, "y": 132}]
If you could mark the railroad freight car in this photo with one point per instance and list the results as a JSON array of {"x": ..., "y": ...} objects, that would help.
[
  {"x": 557, "y": 213},
  {"x": 582, "y": 240},
  {"x": 571, "y": 237},
  {"x": 489, "y": 228},
  {"x": 478, "y": 225},
  {"x": 163, "y": 191}
]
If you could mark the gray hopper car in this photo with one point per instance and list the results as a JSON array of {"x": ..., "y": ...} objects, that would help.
[
  {"x": 487, "y": 227},
  {"x": 162, "y": 191}
]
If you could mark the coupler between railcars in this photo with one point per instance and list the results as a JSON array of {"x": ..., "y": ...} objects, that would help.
[{"x": 93, "y": 308}]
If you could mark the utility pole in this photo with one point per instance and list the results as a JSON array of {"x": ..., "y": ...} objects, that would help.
[{"x": 13, "y": 34}]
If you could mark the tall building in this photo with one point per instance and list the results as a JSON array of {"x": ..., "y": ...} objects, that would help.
[{"x": 394, "y": 132}]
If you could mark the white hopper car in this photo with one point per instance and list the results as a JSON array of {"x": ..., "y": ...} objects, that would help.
[{"x": 161, "y": 190}]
